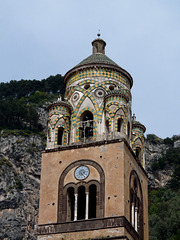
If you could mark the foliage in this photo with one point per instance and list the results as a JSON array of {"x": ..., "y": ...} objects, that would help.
[
  {"x": 164, "y": 214},
  {"x": 26, "y": 88},
  {"x": 152, "y": 138},
  {"x": 164, "y": 211},
  {"x": 168, "y": 141},
  {"x": 19, "y": 101}
]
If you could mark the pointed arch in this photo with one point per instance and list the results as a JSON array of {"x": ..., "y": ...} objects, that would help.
[
  {"x": 93, "y": 112},
  {"x": 138, "y": 149},
  {"x": 63, "y": 135}
]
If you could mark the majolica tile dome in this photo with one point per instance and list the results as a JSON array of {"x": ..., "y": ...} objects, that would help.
[{"x": 97, "y": 104}]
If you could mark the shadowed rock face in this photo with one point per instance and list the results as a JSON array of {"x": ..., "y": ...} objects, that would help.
[
  {"x": 157, "y": 178},
  {"x": 20, "y": 162},
  {"x": 20, "y": 159}
]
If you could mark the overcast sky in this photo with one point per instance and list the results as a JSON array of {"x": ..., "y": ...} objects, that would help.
[{"x": 39, "y": 38}]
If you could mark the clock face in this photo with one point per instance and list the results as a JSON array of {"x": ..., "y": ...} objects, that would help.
[{"x": 81, "y": 172}]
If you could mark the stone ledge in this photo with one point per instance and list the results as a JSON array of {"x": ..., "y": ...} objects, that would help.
[{"x": 88, "y": 225}]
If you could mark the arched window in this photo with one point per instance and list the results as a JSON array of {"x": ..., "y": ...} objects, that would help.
[
  {"x": 107, "y": 126},
  {"x": 138, "y": 153},
  {"x": 128, "y": 130},
  {"x": 92, "y": 201},
  {"x": 86, "y": 125},
  {"x": 60, "y": 136},
  {"x": 81, "y": 207},
  {"x": 70, "y": 204},
  {"x": 120, "y": 125},
  {"x": 136, "y": 203},
  {"x": 83, "y": 199}
]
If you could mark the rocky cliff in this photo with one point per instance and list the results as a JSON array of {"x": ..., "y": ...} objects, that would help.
[{"x": 20, "y": 159}]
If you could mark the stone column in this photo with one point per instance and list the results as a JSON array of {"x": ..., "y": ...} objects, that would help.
[
  {"x": 132, "y": 214},
  {"x": 75, "y": 206},
  {"x": 136, "y": 218},
  {"x": 87, "y": 205}
]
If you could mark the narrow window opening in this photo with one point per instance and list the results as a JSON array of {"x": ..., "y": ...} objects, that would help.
[
  {"x": 120, "y": 123},
  {"x": 111, "y": 87},
  {"x": 87, "y": 86},
  {"x": 86, "y": 126},
  {"x": 92, "y": 201},
  {"x": 138, "y": 151},
  {"x": 60, "y": 136},
  {"x": 136, "y": 209},
  {"x": 70, "y": 203},
  {"x": 107, "y": 126},
  {"x": 128, "y": 130},
  {"x": 81, "y": 203}
]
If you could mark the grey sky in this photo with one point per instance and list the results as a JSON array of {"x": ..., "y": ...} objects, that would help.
[{"x": 39, "y": 38}]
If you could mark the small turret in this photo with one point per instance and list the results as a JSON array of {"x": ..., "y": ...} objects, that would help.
[
  {"x": 98, "y": 45},
  {"x": 138, "y": 140}
]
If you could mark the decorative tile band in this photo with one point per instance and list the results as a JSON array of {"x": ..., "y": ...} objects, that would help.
[
  {"x": 98, "y": 73},
  {"x": 64, "y": 116},
  {"x": 119, "y": 106},
  {"x": 59, "y": 108}
]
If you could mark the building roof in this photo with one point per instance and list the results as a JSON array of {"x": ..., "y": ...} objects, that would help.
[{"x": 97, "y": 58}]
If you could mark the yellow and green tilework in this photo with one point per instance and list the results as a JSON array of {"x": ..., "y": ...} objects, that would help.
[
  {"x": 98, "y": 73},
  {"x": 94, "y": 122},
  {"x": 56, "y": 134}
]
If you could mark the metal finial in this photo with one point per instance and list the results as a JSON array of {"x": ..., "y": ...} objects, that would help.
[{"x": 99, "y": 33}]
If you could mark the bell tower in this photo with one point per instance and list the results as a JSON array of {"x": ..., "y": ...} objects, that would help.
[{"x": 93, "y": 182}]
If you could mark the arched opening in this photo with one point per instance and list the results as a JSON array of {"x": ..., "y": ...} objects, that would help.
[
  {"x": 49, "y": 134},
  {"x": 87, "y": 86},
  {"x": 81, "y": 203},
  {"x": 136, "y": 204},
  {"x": 128, "y": 130},
  {"x": 138, "y": 153},
  {"x": 86, "y": 125},
  {"x": 60, "y": 136},
  {"x": 111, "y": 87},
  {"x": 107, "y": 126},
  {"x": 70, "y": 204},
  {"x": 92, "y": 201},
  {"x": 120, "y": 125},
  {"x": 80, "y": 193}
]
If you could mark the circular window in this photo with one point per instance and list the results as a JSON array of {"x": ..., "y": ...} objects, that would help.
[
  {"x": 87, "y": 86},
  {"x": 99, "y": 93},
  {"x": 111, "y": 87},
  {"x": 75, "y": 97}
]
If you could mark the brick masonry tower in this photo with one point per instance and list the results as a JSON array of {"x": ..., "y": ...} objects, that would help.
[{"x": 93, "y": 182}]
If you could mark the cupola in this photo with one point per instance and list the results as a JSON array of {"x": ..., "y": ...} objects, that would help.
[{"x": 99, "y": 45}]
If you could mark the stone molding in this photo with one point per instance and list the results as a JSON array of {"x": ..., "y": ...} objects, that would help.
[{"x": 88, "y": 225}]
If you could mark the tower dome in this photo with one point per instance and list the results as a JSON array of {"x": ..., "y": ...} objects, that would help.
[
  {"x": 97, "y": 104},
  {"x": 98, "y": 61}
]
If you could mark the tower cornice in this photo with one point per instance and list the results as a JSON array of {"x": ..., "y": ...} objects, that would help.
[{"x": 98, "y": 65}]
